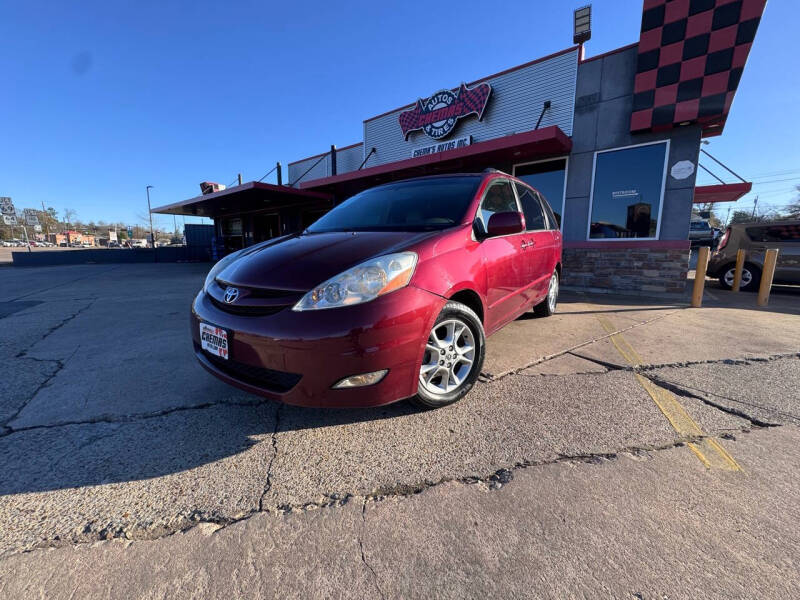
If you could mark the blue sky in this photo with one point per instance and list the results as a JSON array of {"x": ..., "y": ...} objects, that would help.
[{"x": 103, "y": 98}]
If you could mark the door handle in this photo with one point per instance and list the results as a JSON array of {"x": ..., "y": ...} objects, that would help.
[{"x": 527, "y": 244}]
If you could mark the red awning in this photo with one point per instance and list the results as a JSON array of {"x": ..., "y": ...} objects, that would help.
[
  {"x": 541, "y": 143},
  {"x": 726, "y": 192}
]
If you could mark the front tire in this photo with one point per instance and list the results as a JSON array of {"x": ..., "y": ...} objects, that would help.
[
  {"x": 453, "y": 357},
  {"x": 548, "y": 306}
]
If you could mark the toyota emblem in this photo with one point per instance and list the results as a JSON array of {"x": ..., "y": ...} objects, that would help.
[{"x": 231, "y": 295}]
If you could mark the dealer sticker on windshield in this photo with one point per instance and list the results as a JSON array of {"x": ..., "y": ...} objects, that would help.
[{"x": 214, "y": 340}]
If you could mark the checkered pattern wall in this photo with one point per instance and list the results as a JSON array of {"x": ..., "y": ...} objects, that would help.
[{"x": 691, "y": 57}]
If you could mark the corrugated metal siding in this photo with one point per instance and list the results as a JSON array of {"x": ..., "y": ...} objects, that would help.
[
  {"x": 297, "y": 169},
  {"x": 347, "y": 160},
  {"x": 516, "y": 103}
]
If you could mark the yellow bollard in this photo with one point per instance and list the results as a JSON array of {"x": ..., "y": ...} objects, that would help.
[
  {"x": 700, "y": 276},
  {"x": 770, "y": 259},
  {"x": 737, "y": 274}
]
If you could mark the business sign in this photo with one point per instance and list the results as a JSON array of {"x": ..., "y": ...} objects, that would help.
[
  {"x": 9, "y": 219},
  {"x": 37, "y": 228},
  {"x": 437, "y": 116},
  {"x": 461, "y": 142},
  {"x": 31, "y": 218},
  {"x": 6, "y": 206}
]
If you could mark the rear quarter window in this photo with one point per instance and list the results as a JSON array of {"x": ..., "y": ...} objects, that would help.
[{"x": 775, "y": 233}]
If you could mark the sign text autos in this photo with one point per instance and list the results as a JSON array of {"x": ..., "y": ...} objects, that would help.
[
  {"x": 461, "y": 142},
  {"x": 437, "y": 116}
]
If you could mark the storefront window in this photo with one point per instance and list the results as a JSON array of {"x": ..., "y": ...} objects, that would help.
[
  {"x": 627, "y": 192},
  {"x": 547, "y": 177}
]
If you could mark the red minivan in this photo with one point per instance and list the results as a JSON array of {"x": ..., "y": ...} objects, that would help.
[{"x": 388, "y": 296}]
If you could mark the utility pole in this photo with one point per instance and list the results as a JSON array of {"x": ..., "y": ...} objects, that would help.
[
  {"x": 46, "y": 221},
  {"x": 150, "y": 213},
  {"x": 755, "y": 204}
]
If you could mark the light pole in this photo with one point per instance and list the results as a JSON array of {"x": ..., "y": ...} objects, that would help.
[{"x": 150, "y": 213}]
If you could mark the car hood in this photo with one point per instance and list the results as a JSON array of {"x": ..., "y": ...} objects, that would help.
[{"x": 300, "y": 262}]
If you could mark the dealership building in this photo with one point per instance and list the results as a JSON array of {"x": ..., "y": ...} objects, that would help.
[{"x": 612, "y": 141}]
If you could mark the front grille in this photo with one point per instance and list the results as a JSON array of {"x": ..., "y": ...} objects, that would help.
[
  {"x": 243, "y": 309},
  {"x": 246, "y": 306},
  {"x": 268, "y": 379}
]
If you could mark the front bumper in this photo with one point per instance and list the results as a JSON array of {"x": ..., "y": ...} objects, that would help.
[{"x": 296, "y": 357}]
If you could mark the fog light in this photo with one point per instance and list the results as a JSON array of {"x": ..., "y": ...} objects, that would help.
[{"x": 361, "y": 380}]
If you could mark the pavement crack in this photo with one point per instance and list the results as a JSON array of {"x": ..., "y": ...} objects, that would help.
[
  {"x": 69, "y": 282},
  {"x": 702, "y": 396},
  {"x": 748, "y": 360},
  {"x": 608, "y": 365},
  {"x": 182, "y": 523},
  {"x": 361, "y": 547},
  {"x": 489, "y": 377},
  {"x": 274, "y": 440},
  {"x": 54, "y": 328},
  {"x": 118, "y": 419},
  {"x": 6, "y": 427}
]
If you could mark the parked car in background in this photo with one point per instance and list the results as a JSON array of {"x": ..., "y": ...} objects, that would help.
[
  {"x": 388, "y": 296},
  {"x": 701, "y": 233},
  {"x": 755, "y": 239}
]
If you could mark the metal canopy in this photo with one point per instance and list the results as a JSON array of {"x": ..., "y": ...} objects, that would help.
[
  {"x": 727, "y": 192},
  {"x": 248, "y": 197}
]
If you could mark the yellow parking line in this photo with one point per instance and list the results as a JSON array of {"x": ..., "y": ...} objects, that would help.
[
  {"x": 709, "y": 451},
  {"x": 620, "y": 343}
]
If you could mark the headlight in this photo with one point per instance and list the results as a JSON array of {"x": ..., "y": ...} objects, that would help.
[
  {"x": 218, "y": 267},
  {"x": 362, "y": 283}
]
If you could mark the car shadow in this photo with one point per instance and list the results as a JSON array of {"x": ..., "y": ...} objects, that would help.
[{"x": 53, "y": 458}]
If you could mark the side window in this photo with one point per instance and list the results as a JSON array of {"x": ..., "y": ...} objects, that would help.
[
  {"x": 534, "y": 217},
  {"x": 499, "y": 198},
  {"x": 553, "y": 219},
  {"x": 775, "y": 233}
]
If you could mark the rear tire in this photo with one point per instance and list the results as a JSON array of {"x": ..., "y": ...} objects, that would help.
[
  {"x": 549, "y": 305},
  {"x": 450, "y": 370},
  {"x": 751, "y": 277}
]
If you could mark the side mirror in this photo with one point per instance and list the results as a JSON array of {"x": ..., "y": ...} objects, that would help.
[{"x": 505, "y": 223}]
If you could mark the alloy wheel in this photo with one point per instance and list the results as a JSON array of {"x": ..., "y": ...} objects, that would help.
[
  {"x": 449, "y": 357},
  {"x": 747, "y": 277},
  {"x": 552, "y": 293}
]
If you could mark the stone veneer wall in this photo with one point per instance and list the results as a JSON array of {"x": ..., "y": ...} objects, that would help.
[{"x": 645, "y": 271}]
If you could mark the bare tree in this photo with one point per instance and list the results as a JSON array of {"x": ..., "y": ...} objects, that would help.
[{"x": 69, "y": 215}]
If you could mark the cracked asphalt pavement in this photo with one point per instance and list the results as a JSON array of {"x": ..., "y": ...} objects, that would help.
[{"x": 129, "y": 472}]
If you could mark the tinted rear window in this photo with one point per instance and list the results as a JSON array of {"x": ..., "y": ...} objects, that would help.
[
  {"x": 774, "y": 233},
  {"x": 419, "y": 205}
]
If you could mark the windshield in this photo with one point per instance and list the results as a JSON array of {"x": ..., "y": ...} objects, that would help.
[{"x": 418, "y": 205}]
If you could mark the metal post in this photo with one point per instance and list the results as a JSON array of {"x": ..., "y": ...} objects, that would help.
[
  {"x": 737, "y": 274},
  {"x": 333, "y": 159},
  {"x": 150, "y": 212},
  {"x": 280, "y": 177},
  {"x": 700, "y": 276},
  {"x": 240, "y": 179},
  {"x": 46, "y": 221},
  {"x": 770, "y": 259},
  {"x": 27, "y": 240}
]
